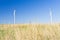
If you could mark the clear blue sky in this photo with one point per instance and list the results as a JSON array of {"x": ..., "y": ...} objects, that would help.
[{"x": 36, "y": 11}]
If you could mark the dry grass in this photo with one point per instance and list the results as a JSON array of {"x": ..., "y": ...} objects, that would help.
[{"x": 30, "y": 32}]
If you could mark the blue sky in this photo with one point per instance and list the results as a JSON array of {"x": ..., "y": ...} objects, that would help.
[{"x": 36, "y": 11}]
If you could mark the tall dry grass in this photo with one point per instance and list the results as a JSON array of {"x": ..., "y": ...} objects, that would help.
[{"x": 30, "y": 32}]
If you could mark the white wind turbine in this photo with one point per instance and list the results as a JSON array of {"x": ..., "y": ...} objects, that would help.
[
  {"x": 14, "y": 15},
  {"x": 50, "y": 16}
]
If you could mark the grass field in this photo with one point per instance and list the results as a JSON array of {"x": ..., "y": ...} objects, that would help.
[{"x": 29, "y": 32}]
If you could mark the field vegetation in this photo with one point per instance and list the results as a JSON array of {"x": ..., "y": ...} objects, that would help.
[{"x": 29, "y": 31}]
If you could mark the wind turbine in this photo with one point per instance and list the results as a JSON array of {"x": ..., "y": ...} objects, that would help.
[
  {"x": 50, "y": 16},
  {"x": 14, "y": 15}
]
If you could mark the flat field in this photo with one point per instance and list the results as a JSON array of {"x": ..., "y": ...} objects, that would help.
[{"x": 29, "y": 31}]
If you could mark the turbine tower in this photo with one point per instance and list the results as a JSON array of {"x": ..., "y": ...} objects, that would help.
[
  {"x": 14, "y": 16},
  {"x": 50, "y": 15}
]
